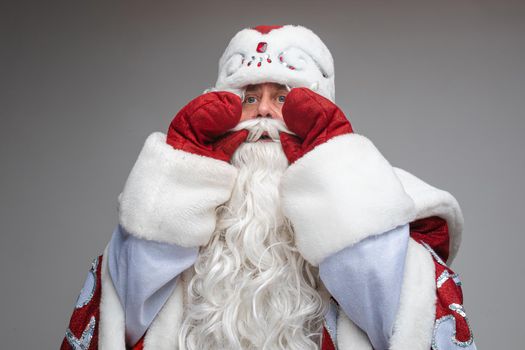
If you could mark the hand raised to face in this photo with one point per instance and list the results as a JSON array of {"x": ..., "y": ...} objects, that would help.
[
  {"x": 201, "y": 127},
  {"x": 313, "y": 118}
]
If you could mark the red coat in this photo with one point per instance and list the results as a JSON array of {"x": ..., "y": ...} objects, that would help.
[{"x": 384, "y": 198}]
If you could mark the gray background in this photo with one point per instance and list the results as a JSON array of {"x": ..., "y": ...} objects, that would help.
[{"x": 437, "y": 85}]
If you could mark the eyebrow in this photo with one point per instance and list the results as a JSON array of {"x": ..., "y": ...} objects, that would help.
[{"x": 255, "y": 88}]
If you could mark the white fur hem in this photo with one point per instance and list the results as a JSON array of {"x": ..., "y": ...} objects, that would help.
[
  {"x": 431, "y": 201},
  {"x": 349, "y": 336},
  {"x": 341, "y": 192},
  {"x": 171, "y": 195},
  {"x": 163, "y": 331},
  {"x": 417, "y": 305},
  {"x": 414, "y": 321},
  {"x": 111, "y": 332}
]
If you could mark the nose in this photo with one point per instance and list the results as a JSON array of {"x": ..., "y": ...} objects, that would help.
[{"x": 265, "y": 109}]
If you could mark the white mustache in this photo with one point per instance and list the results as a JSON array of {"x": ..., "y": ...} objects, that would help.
[{"x": 258, "y": 126}]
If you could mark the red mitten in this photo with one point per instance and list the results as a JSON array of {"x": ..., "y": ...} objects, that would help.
[
  {"x": 200, "y": 127},
  {"x": 314, "y": 119}
]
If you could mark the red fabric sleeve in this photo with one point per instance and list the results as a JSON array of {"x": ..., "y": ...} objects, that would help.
[
  {"x": 326, "y": 342},
  {"x": 434, "y": 232},
  {"x": 140, "y": 344}
]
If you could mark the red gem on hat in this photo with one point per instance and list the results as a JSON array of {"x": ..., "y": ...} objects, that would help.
[{"x": 261, "y": 47}]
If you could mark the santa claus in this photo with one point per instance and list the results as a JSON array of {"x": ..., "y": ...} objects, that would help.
[{"x": 261, "y": 220}]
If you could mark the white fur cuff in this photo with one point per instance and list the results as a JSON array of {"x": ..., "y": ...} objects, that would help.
[
  {"x": 341, "y": 192},
  {"x": 171, "y": 195},
  {"x": 431, "y": 201}
]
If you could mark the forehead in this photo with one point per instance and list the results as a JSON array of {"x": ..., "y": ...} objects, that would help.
[{"x": 266, "y": 86}]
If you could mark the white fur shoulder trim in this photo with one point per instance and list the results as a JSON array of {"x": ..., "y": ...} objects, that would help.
[
  {"x": 431, "y": 201},
  {"x": 171, "y": 195},
  {"x": 341, "y": 192}
]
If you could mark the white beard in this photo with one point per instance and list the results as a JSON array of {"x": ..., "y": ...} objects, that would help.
[{"x": 252, "y": 289}]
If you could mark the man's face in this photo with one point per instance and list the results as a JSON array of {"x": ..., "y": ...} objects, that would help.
[{"x": 264, "y": 100}]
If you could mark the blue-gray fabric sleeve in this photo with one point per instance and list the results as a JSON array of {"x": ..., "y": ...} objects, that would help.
[
  {"x": 366, "y": 280},
  {"x": 445, "y": 337},
  {"x": 144, "y": 274}
]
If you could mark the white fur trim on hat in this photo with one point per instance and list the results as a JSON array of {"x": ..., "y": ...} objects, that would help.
[
  {"x": 291, "y": 55},
  {"x": 171, "y": 195},
  {"x": 341, "y": 192}
]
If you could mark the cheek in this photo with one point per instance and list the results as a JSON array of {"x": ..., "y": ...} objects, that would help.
[
  {"x": 279, "y": 112},
  {"x": 247, "y": 113}
]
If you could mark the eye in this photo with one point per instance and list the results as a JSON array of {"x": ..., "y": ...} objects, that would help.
[
  {"x": 281, "y": 98},
  {"x": 250, "y": 99}
]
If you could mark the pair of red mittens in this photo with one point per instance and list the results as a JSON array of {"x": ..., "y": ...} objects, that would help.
[{"x": 201, "y": 127}]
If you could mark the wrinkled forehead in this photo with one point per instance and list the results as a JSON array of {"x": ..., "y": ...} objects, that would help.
[{"x": 265, "y": 86}]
